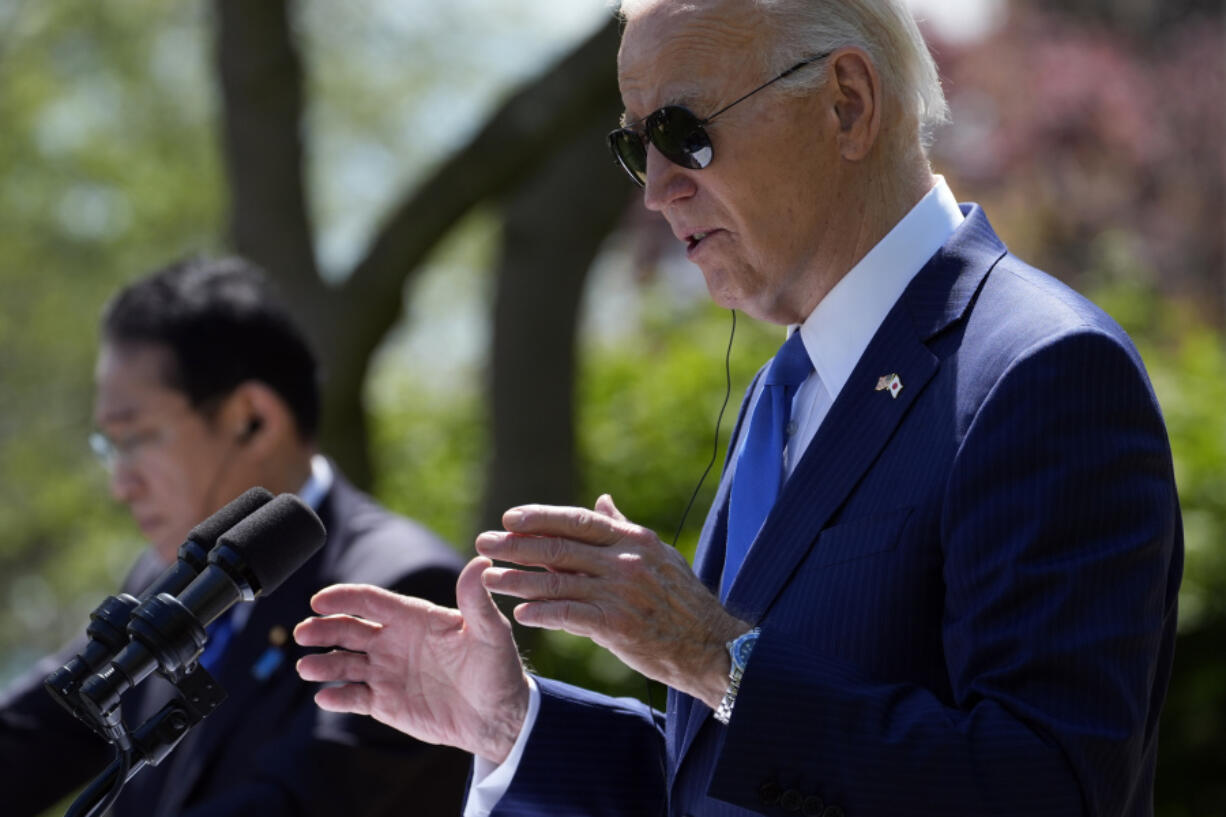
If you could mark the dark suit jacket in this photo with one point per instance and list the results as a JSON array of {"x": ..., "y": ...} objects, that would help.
[
  {"x": 966, "y": 592},
  {"x": 268, "y": 750}
]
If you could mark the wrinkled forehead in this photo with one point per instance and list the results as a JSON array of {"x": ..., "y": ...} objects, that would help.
[{"x": 680, "y": 53}]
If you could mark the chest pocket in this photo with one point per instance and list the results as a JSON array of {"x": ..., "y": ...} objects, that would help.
[{"x": 857, "y": 538}]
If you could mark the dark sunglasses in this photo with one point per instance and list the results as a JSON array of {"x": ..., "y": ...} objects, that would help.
[{"x": 679, "y": 135}]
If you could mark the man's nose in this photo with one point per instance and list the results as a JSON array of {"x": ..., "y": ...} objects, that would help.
[
  {"x": 125, "y": 481},
  {"x": 666, "y": 181}
]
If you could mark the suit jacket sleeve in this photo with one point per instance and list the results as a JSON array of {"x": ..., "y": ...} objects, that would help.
[
  {"x": 1058, "y": 535},
  {"x": 589, "y": 756},
  {"x": 45, "y": 753}
]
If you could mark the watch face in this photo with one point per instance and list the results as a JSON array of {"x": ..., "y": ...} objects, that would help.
[{"x": 742, "y": 647}]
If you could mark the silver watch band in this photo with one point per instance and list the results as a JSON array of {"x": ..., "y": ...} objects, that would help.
[{"x": 738, "y": 650}]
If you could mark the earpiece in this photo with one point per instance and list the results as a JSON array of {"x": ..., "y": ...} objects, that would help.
[{"x": 253, "y": 427}]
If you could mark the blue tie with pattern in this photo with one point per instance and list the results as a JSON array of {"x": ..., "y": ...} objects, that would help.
[{"x": 759, "y": 468}]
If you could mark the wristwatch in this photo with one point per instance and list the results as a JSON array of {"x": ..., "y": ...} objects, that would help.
[{"x": 738, "y": 650}]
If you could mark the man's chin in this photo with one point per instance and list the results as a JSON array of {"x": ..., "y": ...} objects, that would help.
[
  {"x": 721, "y": 289},
  {"x": 162, "y": 537}
]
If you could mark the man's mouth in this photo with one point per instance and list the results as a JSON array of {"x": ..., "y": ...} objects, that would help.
[
  {"x": 695, "y": 239},
  {"x": 146, "y": 523}
]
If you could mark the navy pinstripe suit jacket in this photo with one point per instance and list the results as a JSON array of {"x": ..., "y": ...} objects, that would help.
[{"x": 966, "y": 592}]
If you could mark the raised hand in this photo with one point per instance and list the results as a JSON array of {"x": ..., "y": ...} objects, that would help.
[
  {"x": 618, "y": 584},
  {"x": 441, "y": 675}
]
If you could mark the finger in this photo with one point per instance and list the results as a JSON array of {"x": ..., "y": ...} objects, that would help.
[
  {"x": 356, "y": 698},
  {"x": 342, "y": 631},
  {"x": 365, "y": 600},
  {"x": 581, "y": 524},
  {"x": 337, "y": 665},
  {"x": 535, "y": 585},
  {"x": 575, "y": 617},
  {"x": 542, "y": 551},
  {"x": 604, "y": 505},
  {"x": 475, "y": 603}
]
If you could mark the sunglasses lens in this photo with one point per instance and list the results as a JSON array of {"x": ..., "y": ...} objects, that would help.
[
  {"x": 675, "y": 132},
  {"x": 631, "y": 154},
  {"x": 679, "y": 135}
]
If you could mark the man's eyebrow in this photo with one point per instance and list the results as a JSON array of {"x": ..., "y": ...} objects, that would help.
[
  {"x": 123, "y": 414},
  {"x": 686, "y": 99}
]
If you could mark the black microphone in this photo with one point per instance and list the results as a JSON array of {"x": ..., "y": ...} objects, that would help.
[
  {"x": 108, "y": 623},
  {"x": 193, "y": 554},
  {"x": 251, "y": 559}
]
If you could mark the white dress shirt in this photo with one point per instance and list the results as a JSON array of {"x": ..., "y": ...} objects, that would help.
[{"x": 835, "y": 335}]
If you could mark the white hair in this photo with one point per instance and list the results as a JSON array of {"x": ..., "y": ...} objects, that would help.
[{"x": 884, "y": 29}]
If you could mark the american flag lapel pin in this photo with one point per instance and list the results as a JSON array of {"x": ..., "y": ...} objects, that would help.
[{"x": 891, "y": 383}]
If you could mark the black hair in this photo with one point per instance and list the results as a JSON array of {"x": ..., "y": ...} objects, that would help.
[{"x": 224, "y": 324}]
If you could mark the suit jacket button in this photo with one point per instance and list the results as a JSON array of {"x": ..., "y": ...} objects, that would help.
[
  {"x": 812, "y": 806},
  {"x": 791, "y": 800},
  {"x": 769, "y": 792},
  {"x": 833, "y": 811}
]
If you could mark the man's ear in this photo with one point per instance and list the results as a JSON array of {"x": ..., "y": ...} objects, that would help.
[
  {"x": 256, "y": 415},
  {"x": 857, "y": 102}
]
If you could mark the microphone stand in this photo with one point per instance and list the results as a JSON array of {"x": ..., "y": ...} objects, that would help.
[{"x": 151, "y": 742}]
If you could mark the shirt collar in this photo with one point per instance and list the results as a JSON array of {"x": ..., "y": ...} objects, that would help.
[
  {"x": 839, "y": 329},
  {"x": 318, "y": 484}
]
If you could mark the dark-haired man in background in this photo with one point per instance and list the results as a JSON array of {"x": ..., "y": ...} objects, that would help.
[{"x": 205, "y": 387}]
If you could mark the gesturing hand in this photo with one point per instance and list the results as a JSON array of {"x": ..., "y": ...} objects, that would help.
[
  {"x": 618, "y": 584},
  {"x": 438, "y": 674}
]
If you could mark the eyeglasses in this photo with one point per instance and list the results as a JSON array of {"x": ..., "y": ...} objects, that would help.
[
  {"x": 112, "y": 453},
  {"x": 679, "y": 135},
  {"x": 157, "y": 430}
]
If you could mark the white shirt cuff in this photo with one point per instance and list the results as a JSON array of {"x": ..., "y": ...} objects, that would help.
[{"x": 491, "y": 781}]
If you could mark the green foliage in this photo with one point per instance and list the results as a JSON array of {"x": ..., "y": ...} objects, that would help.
[
  {"x": 647, "y": 412},
  {"x": 429, "y": 449},
  {"x": 107, "y": 168}
]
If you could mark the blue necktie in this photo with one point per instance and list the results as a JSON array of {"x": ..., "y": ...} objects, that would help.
[
  {"x": 759, "y": 469},
  {"x": 219, "y": 634}
]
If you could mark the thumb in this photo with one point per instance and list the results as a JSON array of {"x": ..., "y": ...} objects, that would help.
[
  {"x": 475, "y": 603},
  {"x": 605, "y": 506}
]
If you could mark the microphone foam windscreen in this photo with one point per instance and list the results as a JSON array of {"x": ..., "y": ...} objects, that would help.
[
  {"x": 207, "y": 532},
  {"x": 275, "y": 540}
]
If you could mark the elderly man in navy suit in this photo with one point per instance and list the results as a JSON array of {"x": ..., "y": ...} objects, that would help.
[{"x": 940, "y": 573}]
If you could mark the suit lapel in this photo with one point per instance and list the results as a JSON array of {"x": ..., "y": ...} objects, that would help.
[
  {"x": 859, "y": 425},
  {"x": 864, "y": 418}
]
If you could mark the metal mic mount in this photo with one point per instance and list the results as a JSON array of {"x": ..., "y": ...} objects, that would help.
[{"x": 151, "y": 742}]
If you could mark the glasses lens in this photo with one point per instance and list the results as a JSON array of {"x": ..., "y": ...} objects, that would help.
[
  {"x": 628, "y": 147},
  {"x": 680, "y": 137},
  {"x": 103, "y": 449}
]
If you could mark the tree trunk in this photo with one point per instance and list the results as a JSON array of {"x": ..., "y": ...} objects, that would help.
[
  {"x": 261, "y": 82},
  {"x": 554, "y": 227}
]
